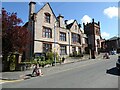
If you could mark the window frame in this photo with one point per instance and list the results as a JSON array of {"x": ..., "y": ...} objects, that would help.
[
  {"x": 75, "y": 38},
  {"x": 47, "y": 45},
  {"x": 63, "y": 50},
  {"x": 47, "y": 32},
  {"x": 47, "y": 17},
  {"x": 62, "y": 36}
]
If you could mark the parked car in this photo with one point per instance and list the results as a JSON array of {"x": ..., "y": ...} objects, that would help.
[
  {"x": 113, "y": 52},
  {"x": 118, "y": 63}
]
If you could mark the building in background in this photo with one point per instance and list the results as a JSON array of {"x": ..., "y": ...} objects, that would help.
[
  {"x": 92, "y": 30},
  {"x": 112, "y": 44}
]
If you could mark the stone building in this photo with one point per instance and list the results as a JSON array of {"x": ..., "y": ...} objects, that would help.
[
  {"x": 111, "y": 44},
  {"x": 92, "y": 30},
  {"x": 51, "y": 33}
]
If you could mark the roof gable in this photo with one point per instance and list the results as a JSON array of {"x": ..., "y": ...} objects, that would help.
[
  {"x": 50, "y": 9},
  {"x": 71, "y": 26},
  {"x": 113, "y": 38}
]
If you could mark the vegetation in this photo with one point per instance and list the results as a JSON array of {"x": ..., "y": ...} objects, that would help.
[
  {"x": 75, "y": 54},
  {"x": 14, "y": 36},
  {"x": 12, "y": 62},
  {"x": 42, "y": 60}
]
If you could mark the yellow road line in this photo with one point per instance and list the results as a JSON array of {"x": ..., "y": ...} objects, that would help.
[{"x": 8, "y": 81}]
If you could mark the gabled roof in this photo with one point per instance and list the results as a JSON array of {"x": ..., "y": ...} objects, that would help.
[
  {"x": 50, "y": 8},
  {"x": 113, "y": 38},
  {"x": 26, "y": 24},
  {"x": 71, "y": 24}
]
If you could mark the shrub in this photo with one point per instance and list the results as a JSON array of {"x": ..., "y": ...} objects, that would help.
[
  {"x": 42, "y": 63},
  {"x": 50, "y": 56},
  {"x": 75, "y": 54},
  {"x": 71, "y": 55},
  {"x": 48, "y": 61},
  {"x": 80, "y": 55},
  {"x": 42, "y": 58},
  {"x": 12, "y": 62}
]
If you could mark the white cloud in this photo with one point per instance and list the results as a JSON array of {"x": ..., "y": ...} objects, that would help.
[
  {"x": 40, "y": 3},
  {"x": 111, "y": 12},
  {"x": 70, "y": 21},
  {"x": 105, "y": 35},
  {"x": 86, "y": 19}
]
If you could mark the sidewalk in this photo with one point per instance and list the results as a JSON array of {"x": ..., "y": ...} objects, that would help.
[{"x": 15, "y": 75}]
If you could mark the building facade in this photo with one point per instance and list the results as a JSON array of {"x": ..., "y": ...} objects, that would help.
[
  {"x": 111, "y": 44},
  {"x": 51, "y": 33},
  {"x": 92, "y": 30}
]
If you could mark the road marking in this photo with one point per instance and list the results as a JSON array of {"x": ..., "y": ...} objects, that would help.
[
  {"x": 2, "y": 82},
  {"x": 10, "y": 81}
]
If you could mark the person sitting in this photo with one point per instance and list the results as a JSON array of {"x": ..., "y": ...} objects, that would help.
[
  {"x": 37, "y": 71},
  {"x": 40, "y": 71},
  {"x": 106, "y": 56}
]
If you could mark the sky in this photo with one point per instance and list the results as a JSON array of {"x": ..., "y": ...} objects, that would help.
[{"x": 104, "y": 12}]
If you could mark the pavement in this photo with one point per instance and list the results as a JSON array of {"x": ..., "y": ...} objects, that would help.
[{"x": 21, "y": 75}]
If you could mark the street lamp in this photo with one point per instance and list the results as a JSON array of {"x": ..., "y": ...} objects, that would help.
[
  {"x": 69, "y": 42},
  {"x": 55, "y": 42}
]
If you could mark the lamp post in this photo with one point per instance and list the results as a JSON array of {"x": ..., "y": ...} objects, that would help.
[
  {"x": 55, "y": 42},
  {"x": 69, "y": 42}
]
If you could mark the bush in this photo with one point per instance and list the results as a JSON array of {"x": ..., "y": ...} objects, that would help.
[
  {"x": 42, "y": 58},
  {"x": 75, "y": 54},
  {"x": 80, "y": 55},
  {"x": 48, "y": 61},
  {"x": 12, "y": 62},
  {"x": 71, "y": 55},
  {"x": 50, "y": 56},
  {"x": 39, "y": 58},
  {"x": 42, "y": 63}
]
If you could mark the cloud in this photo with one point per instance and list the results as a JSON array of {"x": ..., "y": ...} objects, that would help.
[
  {"x": 111, "y": 12},
  {"x": 40, "y": 3},
  {"x": 86, "y": 19},
  {"x": 70, "y": 21},
  {"x": 105, "y": 35}
]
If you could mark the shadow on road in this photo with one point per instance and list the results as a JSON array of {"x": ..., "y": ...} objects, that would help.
[{"x": 113, "y": 71}]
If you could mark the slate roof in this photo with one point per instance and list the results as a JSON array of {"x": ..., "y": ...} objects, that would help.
[
  {"x": 69, "y": 25},
  {"x": 113, "y": 38}
]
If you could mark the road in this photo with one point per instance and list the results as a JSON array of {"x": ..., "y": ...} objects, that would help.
[{"x": 86, "y": 74}]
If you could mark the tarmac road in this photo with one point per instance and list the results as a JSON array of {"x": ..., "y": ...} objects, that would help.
[{"x": 95, "y": 73}]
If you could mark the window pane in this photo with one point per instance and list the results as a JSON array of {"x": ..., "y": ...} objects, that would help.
[
  {"x": 62, "y": 36},
  {"x": 47, "y": 32},
  {"x": 75, "y": 38},
  {"x": 62, "y": 50},
  {"x": 47, "y": 47},
  {"x": 47, "y": 17}
]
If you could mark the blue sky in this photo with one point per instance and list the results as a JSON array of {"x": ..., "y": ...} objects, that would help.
[{"x": 105, "y": 12}]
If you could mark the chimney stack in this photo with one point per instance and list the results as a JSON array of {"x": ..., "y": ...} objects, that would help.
[
  {"x": 66, "y": 22},
  {"x": 93, "y": 20},
  {"x": 31, "y": 9},
  {"x": 98, "y": 23}
]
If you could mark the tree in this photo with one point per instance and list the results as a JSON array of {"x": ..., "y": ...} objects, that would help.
[{"x": 14, "y": 37}]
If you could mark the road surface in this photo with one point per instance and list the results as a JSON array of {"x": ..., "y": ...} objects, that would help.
[{"x": 95, "y": 73}]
